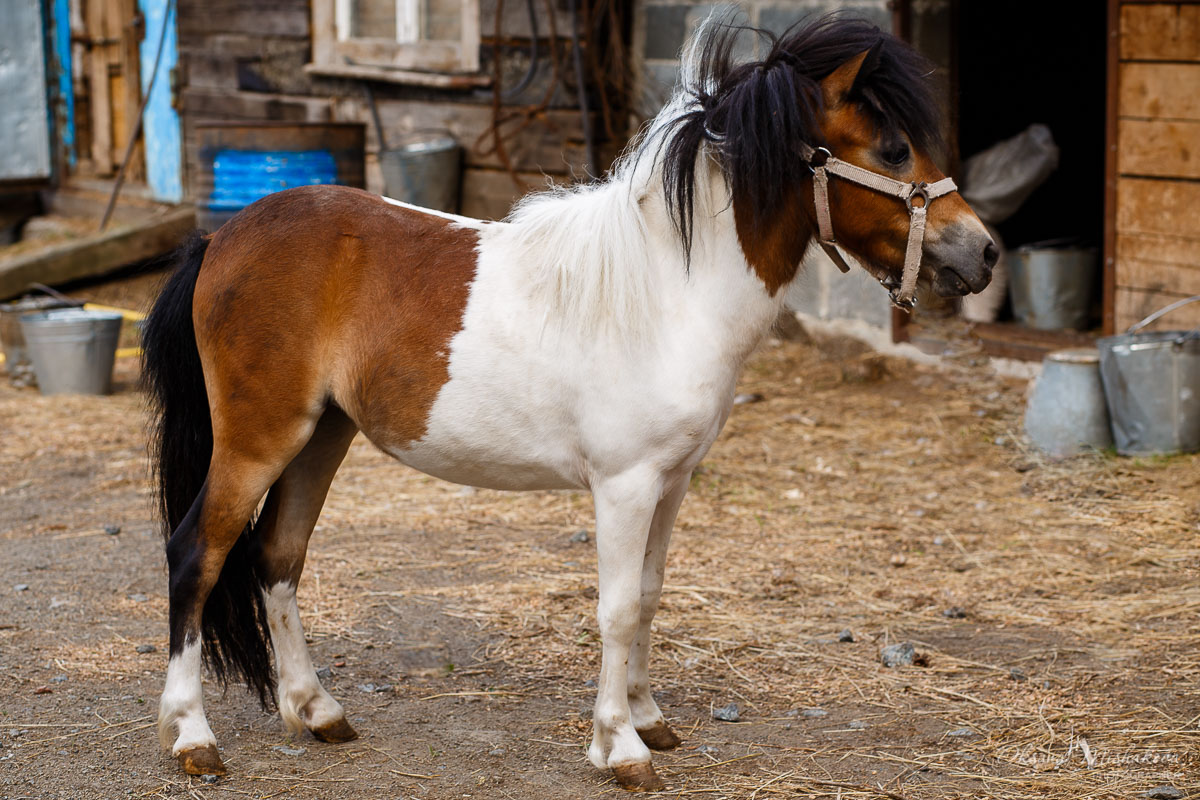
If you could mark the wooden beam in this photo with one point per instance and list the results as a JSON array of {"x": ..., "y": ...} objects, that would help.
[
  {"x": 407, "y": 77},
  {"x": 1010, "y": 340},
  {"x": 132, "y": 30},
  {"x": 99, "y": 99},
  {"x": 98, "y": 254},
  {"x": 1111, "y": 110}
]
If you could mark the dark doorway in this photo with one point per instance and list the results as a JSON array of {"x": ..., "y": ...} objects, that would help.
[{"x": 1020, "y": 63}]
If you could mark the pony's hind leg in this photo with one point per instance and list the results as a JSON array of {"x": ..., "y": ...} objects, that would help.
[
  {"x": 647, "y": 718},
  {"x": 196, "y": 554},
  {"x": 287, "y": 521}
]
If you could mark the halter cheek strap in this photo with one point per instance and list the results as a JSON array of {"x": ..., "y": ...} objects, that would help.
[{"x": 822, "y": 163}]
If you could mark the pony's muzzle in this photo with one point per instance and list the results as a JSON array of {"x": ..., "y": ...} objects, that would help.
[{"x": 962, "y": 260}]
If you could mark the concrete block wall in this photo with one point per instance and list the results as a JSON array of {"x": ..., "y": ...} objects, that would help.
[{"x": 660, "y": 31}]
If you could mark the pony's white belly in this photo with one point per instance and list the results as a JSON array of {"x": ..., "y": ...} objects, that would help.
[{"x": 506, "y": 422}]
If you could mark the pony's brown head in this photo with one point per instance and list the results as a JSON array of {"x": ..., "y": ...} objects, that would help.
[
  {"x": 958, "y": 253},
  {"x": 864, "y": 96}
]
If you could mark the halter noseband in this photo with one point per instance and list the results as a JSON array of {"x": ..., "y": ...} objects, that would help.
[{"x": 822, "y": 163}]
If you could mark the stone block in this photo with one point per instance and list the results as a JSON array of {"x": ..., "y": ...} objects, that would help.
[
  {"x": 778, "y": 18},
  {"x": 666, "y": 30},
  {"x": 822, "y": 291}
]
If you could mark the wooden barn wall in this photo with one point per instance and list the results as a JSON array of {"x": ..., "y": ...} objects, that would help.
[
  {"x": 245, "y": 59},
  {"x": 1158, "y": 162}
]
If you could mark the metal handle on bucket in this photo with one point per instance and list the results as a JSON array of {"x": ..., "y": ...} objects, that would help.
[{"x": 1162, "y": 312}]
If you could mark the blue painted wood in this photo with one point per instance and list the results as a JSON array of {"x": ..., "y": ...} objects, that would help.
[
  {"x": 160, "y": 126},
  {"x": 242, "y": 176},
  {"x": 65, "y": 122}
]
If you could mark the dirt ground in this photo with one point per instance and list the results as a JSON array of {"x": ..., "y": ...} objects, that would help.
[{"x": 1053, "y": 608}]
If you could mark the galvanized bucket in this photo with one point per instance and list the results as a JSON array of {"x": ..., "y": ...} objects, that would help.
[
  {"x": 12, "y": 341},
  {"x": 72, "y": 350},
  {"x": 1051, "y": 286},
  {"x": 1152, "y": 385},
  {"x": 424, "y": 171},
  {"x": 1066, "y": 414}
]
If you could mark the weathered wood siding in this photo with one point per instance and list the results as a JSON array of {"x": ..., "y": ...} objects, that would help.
[
  {"x": 245, "y": 60},
  {"x": 1158, "y": 161}
]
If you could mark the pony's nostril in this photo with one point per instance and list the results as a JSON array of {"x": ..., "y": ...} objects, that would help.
[{"x": 991, "y": 254}]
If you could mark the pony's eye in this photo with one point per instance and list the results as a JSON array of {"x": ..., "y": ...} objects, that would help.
[{"x": 895, "y": 154}]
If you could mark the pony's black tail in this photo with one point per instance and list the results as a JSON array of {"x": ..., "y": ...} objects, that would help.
[{"x": 234, "y": 627}]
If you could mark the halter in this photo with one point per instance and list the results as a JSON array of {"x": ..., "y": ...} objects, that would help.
[{"x": 822, "y": 162}]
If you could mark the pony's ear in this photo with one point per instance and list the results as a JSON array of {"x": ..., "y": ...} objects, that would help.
[{"x": 842, "y": 82}]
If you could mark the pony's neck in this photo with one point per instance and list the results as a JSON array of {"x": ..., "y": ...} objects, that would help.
[{"x": 737, "y": 279}]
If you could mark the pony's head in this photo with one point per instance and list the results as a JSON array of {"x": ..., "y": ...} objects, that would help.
[{"x": 862, "y": 95}]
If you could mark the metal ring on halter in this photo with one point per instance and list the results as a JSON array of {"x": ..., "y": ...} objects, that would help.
[
  {"x": 818, "y": 158},
  {"x": 920, "y": 190}
]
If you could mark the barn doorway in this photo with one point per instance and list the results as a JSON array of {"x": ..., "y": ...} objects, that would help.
[{"x": 1005, "y": 66}]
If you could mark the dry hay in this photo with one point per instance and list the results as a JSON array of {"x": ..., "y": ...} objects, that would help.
[
  {"x": 860, "y": 493},
  {"x": 848, "y": 498}
]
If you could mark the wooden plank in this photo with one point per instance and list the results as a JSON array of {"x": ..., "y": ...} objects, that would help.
[
  {"x": 424, "y": 55},
  {"x": 217, "y": 104},
  {"x": 469, "y": 44},
  {"x": 99, "y": 98},
  {"x": 1169, "y": 249},
  {"x": 1164, "y": 32},
  {"x": 1010, "y": 340},
  {"x": 131, "y": 96},
  {"x": 1160, "y": 91},
  {"x": 286, "y": 18},
  {"x": 98, "y": 254},
  {"x": 1147, "y": 205},
  {"x": 1153, "y": 147},
  {"x": 1158, "y": 276},
  {"x": 406, "y": 77},
  {"x": 1111, "y": 110},
  {"x": 1134, "y": 305}
]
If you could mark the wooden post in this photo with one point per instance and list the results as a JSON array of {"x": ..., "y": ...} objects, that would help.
[
  {"x": 1109, "y": 301},
  {"x": 99, "y": 96},
  {"x": 132, "y": 30}
]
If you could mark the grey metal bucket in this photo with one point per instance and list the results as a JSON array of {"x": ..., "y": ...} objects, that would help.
[
  {"x": 1066, "y": 414},
  {"x": 1152, "y": 385},
  {"x": 12, "y": 341},
  {"x": 72, "y": 350},
  {"x": 1051, "y": 287},
  {"x": 425, "y": 172}
]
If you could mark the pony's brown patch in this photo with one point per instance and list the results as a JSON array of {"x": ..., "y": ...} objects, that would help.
[
  {"x": 323, "y": 294},
  {"x": 416, "y": 272},
  {"x": 775, "y": 246}
]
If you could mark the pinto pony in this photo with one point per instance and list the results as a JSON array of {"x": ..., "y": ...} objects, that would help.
[{"x": 592, "y": 340}]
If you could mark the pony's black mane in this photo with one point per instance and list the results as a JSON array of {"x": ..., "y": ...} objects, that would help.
[{"x": 752, "y": 115}]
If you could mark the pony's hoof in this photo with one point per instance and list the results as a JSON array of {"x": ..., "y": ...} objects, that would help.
[
  {"x": 201, "y": 761},
  {"x": 659, "y": 736},
  {"x": 638, "y": 778},
  {"x": 335, "y": 732}
]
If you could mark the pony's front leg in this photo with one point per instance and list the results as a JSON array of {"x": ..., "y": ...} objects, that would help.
[
  {"x": 624, "y": 509},
  {"x": 647, "y": 718}
]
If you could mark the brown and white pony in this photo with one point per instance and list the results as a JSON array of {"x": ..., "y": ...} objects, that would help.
[{"x": 592, "y": 340}]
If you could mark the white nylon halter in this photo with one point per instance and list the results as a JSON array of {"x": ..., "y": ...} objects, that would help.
[{"x": 822, "y": 163}]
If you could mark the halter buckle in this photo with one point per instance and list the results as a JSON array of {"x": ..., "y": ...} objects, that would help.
[
  {"x": 921, "y": 190},
  {"x": 893, "y": 288},
  {"x": 819, "y": 156}
]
